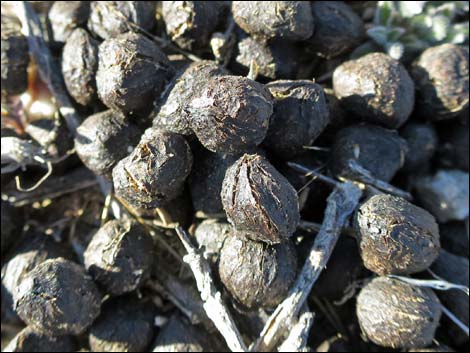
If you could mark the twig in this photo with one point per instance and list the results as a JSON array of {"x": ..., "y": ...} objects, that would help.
[
  {"x": 350, "y": 291},
  {"x": 54, "y": 187},
  {"x": 434, "y": 284},
  {"x": 175, "y": 298},
  {"x": 200, "y": 214},
  {"x": 329, "y": 314},
  {"x": 254, "y": 70},
  {"x": 47, "y": 67},
  {"x": 341, "y": 204},
  {"x": 38, "y": 183},
  {"x": 213, "y": 304},
  {"x": 309, "y": 172},
  {"x": 106, "y": 207},
  {"x": 19, "y": 153},
  {"x": 164, "y": 216},
  {"x": 298, "y": 336},
  {"x": 366, "y": 177},
  {"x": 222, "y": 44},
  {"x": 317, "y": 148},
  {"x": 182, "y": 296},
  {"x": 315, "y": 227},
  {"x": 122, "y": 207},
  {"x": 312, "y": 179},
  {"x": 325, "y": 77},
  {"x": 455, "y": 320}
]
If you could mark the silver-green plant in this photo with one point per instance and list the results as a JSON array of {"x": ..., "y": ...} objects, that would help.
[{"x": 405, "y": 28}]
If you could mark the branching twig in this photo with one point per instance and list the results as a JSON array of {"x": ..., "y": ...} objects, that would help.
[
  {"x": 341, "y": 204},
  {"x": 222, "y": 44},
  {"x": 435, "y": 284},
  {"x": 366, "y": 177},
  {"x": 213, "y": 304},
  {"x": 312, "y": 172},
  {"x": 54, "y": 187},
  {"x": 47, "y": 67},
  {"x": 315, "y": 227},
  {"x": 17, "y": 153},
  {"x": 298, "y": 336},
  {"x": 181, "y": 296}
]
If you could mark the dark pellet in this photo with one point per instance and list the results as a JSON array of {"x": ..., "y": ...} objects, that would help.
[
  {"x": 231, "y": 115},
  {"x": 300, "y": 115},
  {"x": 422, "y": 144},
  {"x": 441, "y": 78},
  {"x": 211, "y": 235},
  {"x": 445, "y": 194},
  {"x": 15, "y": 57},
  {"x": 454, "y": 148},
  {"x": 103, "y": 139},
  {"x": 274, "y": 60},
  {"x": 180, "y": 336},
  {"x": 344, "y": 268},
  {"x": 454, "y": 238},
  {"x": 256, "y": 274},
  {"x": 58, "y": 298},
  {"x": 119, "y": 256},
  {"x": 33, "y": 249},
  {"x": 80, "y": 75},
  {"x": 65, "y": 16},
  {"x": 395, "y": 236},
  {"x": 338, "y": 29},
  {"x": 395, "y": 314},
  {"x": 125, "y": 325},
  {"x": 205, "y": 181},
  {"x": 108, "y": 19},
  {"x": 376, "y": 88},
  {"x": 132, "y": 72},
  {"x": 172, "y": 109},
  {"x": 454, "y": 269},
  {"x": 190, "y": 24},
  {"x": 27, "y": 340},
  {"x": 155, "y": 172},
  {"x": 11, "y": 225},
  {"x": 260, "y": 201},
  {"x": 382, "y": 152},
  {"x": 274, "y": 19}
]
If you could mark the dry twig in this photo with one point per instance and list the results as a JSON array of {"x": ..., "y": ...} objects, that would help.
[
  {"x": 298, "y": 336},
  {"x": 182, "y": 296},
  {"x": 366, "y": 177},
  {"x": 315, "y": 227},
  {"x": 213, "y": 304},
  {"x": 312, "y": 172},
  {"x": 455, "y": 320},
  {"x": 54, "y": 187},
  {"x": 341, "y": 204}
]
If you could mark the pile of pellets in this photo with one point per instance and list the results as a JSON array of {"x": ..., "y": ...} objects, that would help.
[{"x": 216, "y": 131}]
